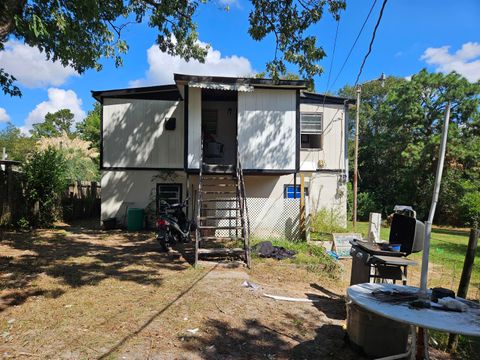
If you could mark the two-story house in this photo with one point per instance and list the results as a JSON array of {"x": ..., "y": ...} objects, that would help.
[{"x": 155, "y": 140}]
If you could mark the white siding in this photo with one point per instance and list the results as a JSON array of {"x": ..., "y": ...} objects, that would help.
[
  {"x": 266, "y": 129},
  {"x": 332, "y": 155},
  {"x": 134, "y": 133},
  {"x": 194, "y": 127},
  {"x": 133, "y": 189}
]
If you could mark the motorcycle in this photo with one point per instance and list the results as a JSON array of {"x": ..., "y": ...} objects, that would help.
[{"x": 173, "y": 225}]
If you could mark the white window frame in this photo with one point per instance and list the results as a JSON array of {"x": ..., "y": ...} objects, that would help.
[{"x": 310, "y": 132}]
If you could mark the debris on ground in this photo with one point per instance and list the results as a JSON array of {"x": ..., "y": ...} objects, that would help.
[
  {"x": 193, "y": 331},
  {"x": 266, "y": 249},
  {"x": 251, "y": 285},
  {"x": 286, "y": 298}
]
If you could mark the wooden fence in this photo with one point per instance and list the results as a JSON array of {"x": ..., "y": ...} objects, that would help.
[{"x": 81, "y": 201}]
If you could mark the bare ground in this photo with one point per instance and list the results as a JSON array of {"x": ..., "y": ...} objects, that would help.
[{"x": 77, "y": 293}]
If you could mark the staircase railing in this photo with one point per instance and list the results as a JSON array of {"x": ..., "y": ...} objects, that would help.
[
  {"x": 199, "y": 203},
  {"x": 243, "y": 209}
]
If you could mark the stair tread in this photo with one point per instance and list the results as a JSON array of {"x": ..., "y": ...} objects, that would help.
[
  {"x": 221, "y": 200},
  {"x": 219, "y": 217},
  {"x": 220, "y": 192},
  {"x": 206, "y": 227},
  {"x": 220, "y": 185},
  {"x": 221, "y": 238},
  {"x": 220, "y": 209},
  {"x": 220, "y": 250}
]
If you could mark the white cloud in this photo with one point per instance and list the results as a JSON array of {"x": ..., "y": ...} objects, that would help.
[
  {"x": 57, "y": 99},
  {"x": 230, "y": 3},
  {"x": 4, "y": 117},
  {"x": 31, "y": 67},
  {"x": 465, "y": 61},
  {"x": 162, "y": 66}
]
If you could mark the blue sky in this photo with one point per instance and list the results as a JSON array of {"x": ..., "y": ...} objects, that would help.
[{"x": 440, "y": 35}]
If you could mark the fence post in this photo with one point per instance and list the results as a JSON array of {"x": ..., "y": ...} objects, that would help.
[
  {"x": 465, "y": 279},
  {"x": 302, "y": 207}
]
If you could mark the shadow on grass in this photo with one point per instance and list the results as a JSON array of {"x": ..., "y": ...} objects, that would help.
[
  {"x": 254, "y": 340},
  {"x": 457, "y": 232},
  {"x": 77, "y": 258}
]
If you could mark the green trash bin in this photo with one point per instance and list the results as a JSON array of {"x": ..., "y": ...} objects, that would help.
[{"x": 135, "y": 219}]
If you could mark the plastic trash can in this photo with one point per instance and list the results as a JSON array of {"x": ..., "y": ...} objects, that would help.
[{"x": 135, "y": 219}]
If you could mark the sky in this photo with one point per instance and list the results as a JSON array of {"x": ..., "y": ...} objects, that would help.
[{"x": 439, "y": 35}]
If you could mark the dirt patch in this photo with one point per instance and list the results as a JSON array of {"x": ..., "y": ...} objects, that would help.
[{"x": 76, "y": 293}]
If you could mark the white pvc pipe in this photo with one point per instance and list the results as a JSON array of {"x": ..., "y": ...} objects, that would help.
[{"x": 436, "y": 191}]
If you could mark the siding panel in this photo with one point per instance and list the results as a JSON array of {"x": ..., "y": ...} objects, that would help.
[
  {"x": 134, "y": 134},
  {"x": 266, "y": 129}
]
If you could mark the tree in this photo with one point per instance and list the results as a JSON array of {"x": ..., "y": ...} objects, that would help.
[
  {"x": 89, "y": 128},
  {"x": 400, "y": 134},
  {"x": 15, "y": 143},
  {"x": 54, "y": 125},
  {"x": 45, "y": 181},
  {"x": 79, "y": 155},
  {"x": 80, "y": 33}
]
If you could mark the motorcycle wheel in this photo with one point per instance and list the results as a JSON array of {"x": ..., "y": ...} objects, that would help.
[{"x": 162, "y": 238}]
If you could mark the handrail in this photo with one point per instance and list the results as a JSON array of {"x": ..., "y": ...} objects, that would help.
[
  {"x": 243, "y": 208},
  {"x": 199, "y": 201}
]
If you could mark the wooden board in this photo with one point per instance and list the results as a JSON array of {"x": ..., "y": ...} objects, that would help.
[{"x": 341, "y": 243}]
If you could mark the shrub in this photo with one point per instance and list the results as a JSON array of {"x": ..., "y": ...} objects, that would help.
[
  {"x": 45, "y": 180},
  {"x": 327, "y": 221},
  {"x": 470, "y": 208},
  {"x": 366, "y": 203}
]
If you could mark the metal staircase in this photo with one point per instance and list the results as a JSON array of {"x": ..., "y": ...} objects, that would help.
[{"x": 222, "y": 213}]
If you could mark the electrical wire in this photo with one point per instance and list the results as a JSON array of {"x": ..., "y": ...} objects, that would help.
[
  {"x": 371, "y": 41},
  {"x": 354, "y": 43},
  {"x": 333, "y": 54}
]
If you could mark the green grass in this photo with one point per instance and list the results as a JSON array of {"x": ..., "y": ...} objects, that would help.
[
  {"x": 312, "y": 257},
  {"x": 448, "y": 247}
]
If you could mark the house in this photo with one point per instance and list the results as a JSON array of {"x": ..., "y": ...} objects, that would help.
[{"x": 154, "y": 140}]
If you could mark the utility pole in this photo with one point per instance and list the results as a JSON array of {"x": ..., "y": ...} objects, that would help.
[{"x": 355, "y": 168}]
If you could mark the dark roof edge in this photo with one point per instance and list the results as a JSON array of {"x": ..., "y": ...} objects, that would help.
[
  {"x": 300, "y": 84},
  {"x": 307, "y": 97},
  {"x": 138, "y": 90}
]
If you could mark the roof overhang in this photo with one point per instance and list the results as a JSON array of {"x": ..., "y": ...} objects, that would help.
[
  {"x": 236, "y": 83},
  {"x": 162, "y": 92},
  {"x": 307, "y": 97}
]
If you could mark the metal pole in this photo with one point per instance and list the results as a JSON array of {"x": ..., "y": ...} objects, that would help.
[
  {"x": 355, "y": 169},
  {"x": 436, "y": 191}
]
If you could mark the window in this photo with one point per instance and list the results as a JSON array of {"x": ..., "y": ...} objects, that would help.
[
  {"x": 311, "y": 130},
  {"x": 170, "y": 193},
  {"x": 293, "y": 192}
]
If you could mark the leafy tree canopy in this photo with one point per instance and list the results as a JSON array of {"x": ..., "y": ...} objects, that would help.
[
  {"x": 400, "y": 130},
  {"x": 15, "y": 143},
  {"x": 89, "y": 128},
  {"x": 54, "y": 125},
  {"x": 80, "y": 33}
]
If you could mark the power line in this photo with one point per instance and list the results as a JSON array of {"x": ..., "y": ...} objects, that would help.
[
  {"x": 371, "y": 41},
  {"x": 333, "y": 55},
  {"x": 354, "y": 43}
]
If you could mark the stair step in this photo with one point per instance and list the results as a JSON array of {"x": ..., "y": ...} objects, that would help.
[
  {"x": 220, "y": 238},
  {"x": 220, "y": 209},
  {"x": 217, "y": 177},
  {"x": 219, "y": 217},
  {"x": 220, "y": 185},
  {"x": 219, "y": 200},
  {"x": 208, "y": 227},
  {"x": 219, "y": 192},
  {"x": 223, "y": 251}
]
